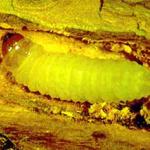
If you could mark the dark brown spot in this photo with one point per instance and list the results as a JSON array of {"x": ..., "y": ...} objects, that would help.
[
  {"x": 85, "y": 106},
  {"x": 26, "y": 89},
  {"x": 140, "y": 121},
  {"x": 131, "y": 57},
  {"x": 121, "y": 105},
  {"x": 10, "y": 77},
  {"x": 136, "y": 107},
  {"x": 36, "y": 109},
  {"x": 107, "y": 46},
  {"x": 98, "y": 135},
  {"x": 47, "y": 96},
  {"x": 24, "y": 28},
  {"x": 36, "y": 93}
]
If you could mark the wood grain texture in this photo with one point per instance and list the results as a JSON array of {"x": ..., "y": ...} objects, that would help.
[{"x": 115, "y": 16}]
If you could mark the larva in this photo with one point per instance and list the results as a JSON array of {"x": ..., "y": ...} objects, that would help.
[{"x": 75, "y": 77}]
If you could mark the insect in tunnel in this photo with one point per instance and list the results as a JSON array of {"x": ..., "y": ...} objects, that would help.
[{"x": 74, "y": 77}]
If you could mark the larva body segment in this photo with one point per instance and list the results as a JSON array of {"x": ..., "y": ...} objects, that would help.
[{"x": 79, "y": 78}]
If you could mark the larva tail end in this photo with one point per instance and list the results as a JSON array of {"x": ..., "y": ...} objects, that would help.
[{"x": 146, "y": 84}]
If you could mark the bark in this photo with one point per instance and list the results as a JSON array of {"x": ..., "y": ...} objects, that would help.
[{"x": 105, "y": 15}]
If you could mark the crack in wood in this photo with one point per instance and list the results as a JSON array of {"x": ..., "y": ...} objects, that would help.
[{"x": 101, "y": 5}]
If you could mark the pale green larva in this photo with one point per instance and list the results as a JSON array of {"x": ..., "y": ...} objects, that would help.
[{"x": 75, "y": 77}]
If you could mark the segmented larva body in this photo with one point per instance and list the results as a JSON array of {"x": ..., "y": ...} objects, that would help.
[{"x": 77, "y": 78}]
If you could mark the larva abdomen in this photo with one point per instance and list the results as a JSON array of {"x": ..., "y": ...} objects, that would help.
[{"x": 79, "y": 78}]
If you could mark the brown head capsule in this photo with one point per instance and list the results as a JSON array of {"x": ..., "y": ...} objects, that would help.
[{"x": 10, "y": 40}]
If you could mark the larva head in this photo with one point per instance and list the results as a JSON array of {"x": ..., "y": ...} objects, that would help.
[
  {"x": 9, "y": 42},
  {"x": 14, "y": 50}
]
